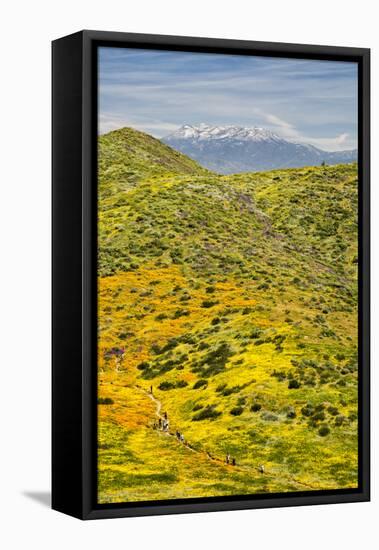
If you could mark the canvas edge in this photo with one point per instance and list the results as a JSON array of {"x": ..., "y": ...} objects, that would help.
[{"x": 85, "y": 508}]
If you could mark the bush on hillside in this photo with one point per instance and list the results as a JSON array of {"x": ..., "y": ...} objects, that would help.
[
  {"x": 236, "y": 411},
  {"x": 200, "y": 384},
  {"x": 324, "y": 430},
  {"x": 209, "y": 412},
  {"x": 105, "y": 401}
]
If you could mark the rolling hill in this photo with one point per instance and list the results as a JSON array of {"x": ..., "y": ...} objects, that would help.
[
  {"x": 231, "y": 149},
  {"x": 230, "y": 303}
]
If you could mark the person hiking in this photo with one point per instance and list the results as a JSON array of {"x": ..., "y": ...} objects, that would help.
[
  {"x": 160, "y": 423},
  {"x": 233, "y": 461},
  {"x": 182, "y": 438},
  {"x": 261, "y": 469},
  {"x": 227, "y": 459},
  {"x": 151, "y": 390},
  {"x": 165, "y": 416}
]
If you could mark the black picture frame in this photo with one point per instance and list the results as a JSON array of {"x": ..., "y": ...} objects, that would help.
[{"x": 74, "y": 203}]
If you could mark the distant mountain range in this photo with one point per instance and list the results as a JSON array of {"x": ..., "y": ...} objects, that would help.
[{"x": 233, "y": 149}]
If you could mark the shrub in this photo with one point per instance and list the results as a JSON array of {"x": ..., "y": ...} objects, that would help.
[
  {"x": 171, "y": 344},
  {"x": 105, "y": 401},
  {"x": 198, "y": 407},
  {"x": 208, "y": 303},
  {"x": 203, "y": 345},
  {"x": 220, "y": 387},
  {"x": 263, "y": 286},
  {"x": 215, "y": 360},
  {"x": 280, "y": 375},
  {"x": 228, "y": 391},
  {"x": 181, "y": 313},
  {"x": 294, "y": 384},
  {"x": 181, "y": 384},
  {"x": 255, "y": 407},
  {"x": 324, "y": 430},
  {"x": 144, "y": 365},
  {"x": 208, "y": 412},
  {"x": 161, "y": 316},
  {"x": 164, "y": 386},
  {"x": 200, "y": 384},
  {"x": 318, "y": 416},
  {"x": 255, "y": 333},
  {"x": 259, "y": 342},
  {"x": 340, "y": 419},
  {"x": 307, "y": 410},
  {"x": 236, "y": 411}
]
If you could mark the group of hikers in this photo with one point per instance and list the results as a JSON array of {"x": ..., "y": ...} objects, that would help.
[
  {"x": 179, "y": 436},
  {"x": 164, "y": 425},
  {"x": 229, "y": 460}
]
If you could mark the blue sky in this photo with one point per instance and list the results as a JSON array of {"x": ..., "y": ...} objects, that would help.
[{"x": 158, "y": 91}]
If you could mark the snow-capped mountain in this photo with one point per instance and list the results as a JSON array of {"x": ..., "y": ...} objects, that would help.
[{"x": 232, "y": 149}]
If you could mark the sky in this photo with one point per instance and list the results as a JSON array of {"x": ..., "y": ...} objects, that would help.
[{"x": 158, "y": 91}]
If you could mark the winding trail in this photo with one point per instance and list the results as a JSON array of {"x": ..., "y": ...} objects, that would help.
[
  {"x": 219, "y": 461},
  {"x": 158, "y": 409},
  {"x": 158, "y": 414}
]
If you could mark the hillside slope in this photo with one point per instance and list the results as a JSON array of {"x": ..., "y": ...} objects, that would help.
[
  {"x": 234, "y": 299},
  {"x": 125, "y": 156}
]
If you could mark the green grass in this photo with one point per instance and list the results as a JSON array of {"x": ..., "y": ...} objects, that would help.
[{"x": 235, "y": 298}]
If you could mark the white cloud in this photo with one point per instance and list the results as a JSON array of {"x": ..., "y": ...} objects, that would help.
[
  {"x": 305, "y": 101},
  {"x": 109, "y": 122},
  {"x": 287, "y": 130}
]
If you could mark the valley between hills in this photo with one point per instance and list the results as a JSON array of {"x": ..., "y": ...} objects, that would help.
[{"x": 228, "y": 302}]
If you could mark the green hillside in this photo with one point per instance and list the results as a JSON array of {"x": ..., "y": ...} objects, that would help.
[
  {"x": 146, "y": 157},
  {"x": 235, "y": 299}
]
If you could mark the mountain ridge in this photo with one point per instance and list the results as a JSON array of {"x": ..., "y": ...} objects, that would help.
[{"x": 231, "y": 149}]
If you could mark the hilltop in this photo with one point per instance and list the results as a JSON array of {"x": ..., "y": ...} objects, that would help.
[
  {"x": 232, "y": 149},
  {"x": 146, "y": 156},
  {"x": 235, "y": 299}
]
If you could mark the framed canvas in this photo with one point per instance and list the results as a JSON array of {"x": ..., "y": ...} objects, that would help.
[{"x": 210, "y": 274}]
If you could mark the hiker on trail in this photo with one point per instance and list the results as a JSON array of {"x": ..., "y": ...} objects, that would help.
[
  {"x": 177, "y": 435},
  {"x": 165, "y": 416},
  {"x": 233, "y": 461},
  {"x": 165, "y": 425},
  {"x": 182, "y": 438},
  {"x": 227, "y": 460},
  {"x": 160, "y": 423},
  {"x": 261, "y": 469},
  {"x": 151, "y": 390}
]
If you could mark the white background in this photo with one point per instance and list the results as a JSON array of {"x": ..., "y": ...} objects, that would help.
[{"x": 26, "y": 31}]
